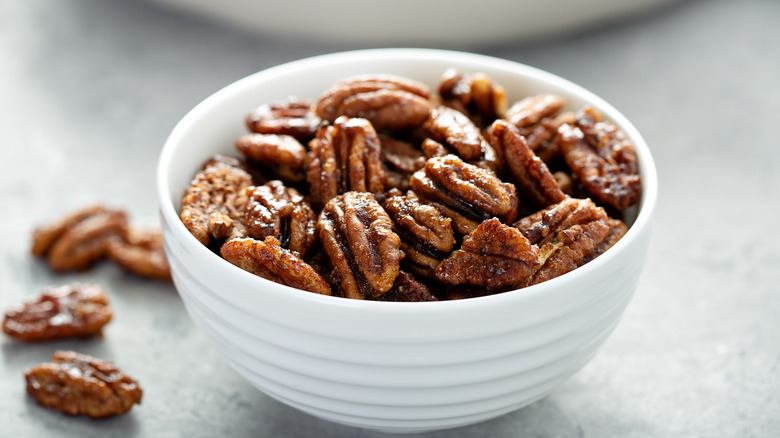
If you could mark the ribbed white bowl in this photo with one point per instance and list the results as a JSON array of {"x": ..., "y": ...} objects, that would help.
[{"x": 398, "y": 367}]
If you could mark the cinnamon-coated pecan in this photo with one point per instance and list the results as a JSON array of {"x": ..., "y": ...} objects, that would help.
[
  {"x": 140, "y": 250},
  {"x": 387, "y": 109},
  {"x": 345, "y": 156},
  {"x": 465, "y": 193},
  {"x": 602, "y": 158},
  {"x": 344, "y": 94},
  {"x": 533, "y": 180},
  {"x": 282, "y": 155},
  {"x": 213, "y": 205},
  {"x": 455, "y": 130},
  {"x": 426, "y": 235},
  {"x": 77, "y": 384},
  {"x": 401, "y": 160},
  {"x": 80, "y": 239},
  {"x": 267, "y": 259},
  {"x": 292, "y": 116},
  {"x": 494, "y": 255},
  {"x": 569, "y": 234},
  {"x": 407, "y": 289},
  {"x": 73, "y": 310},
  {"x": 275, "y": 210},
  {"x": 475, "y": 95},
  {"x": 358, "y": 236}
]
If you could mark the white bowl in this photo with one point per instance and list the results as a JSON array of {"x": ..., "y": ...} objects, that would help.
[{"x": 399, "y": 367}]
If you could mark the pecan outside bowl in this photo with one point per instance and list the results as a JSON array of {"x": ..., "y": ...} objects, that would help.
[{"x": 390, "y": 366}]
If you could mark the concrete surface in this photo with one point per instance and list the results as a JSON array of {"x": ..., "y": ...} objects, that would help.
[{"x": 89, "y": 91}]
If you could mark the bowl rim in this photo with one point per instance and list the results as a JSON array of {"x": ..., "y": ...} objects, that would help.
[{"x": 641, "y": 224}]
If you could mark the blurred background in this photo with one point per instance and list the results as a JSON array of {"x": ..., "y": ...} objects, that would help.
[{"x": 89, "y": 91}]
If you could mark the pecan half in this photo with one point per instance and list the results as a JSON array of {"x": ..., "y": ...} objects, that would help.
[
  {"x": 292, "y": 116},
  {"x": 456, "y": 131},
  {"x": 533, "y": 109},
  {"x": 79, "y": 240},
  {"x": 401, "y": 159},
  {"x": 213, "y": 205},
  {"x": 280, "y": 154},
  {"x": 494, "y": 255},
  {"x": 357, "y": 234},
  {"x": 407, "y": 289},
  {"x": 475, "y": 95},
  {"x": 602, "y": 158},
  {"x": 345, "y": 156},
  {"x": 387, "y": 109},
  {"x": 569, "y": 234},
  {"x": 426, "y": 235},
  {"x": 267, "y": 259},
  {"x": 532, "y": 178},
  {"x": 141, "y": 251},
  {"x": 73, "y": 310},
  {"x": 77, "y": 384},
  {"x": 275, "y": 210},
  {"x": 465, "y": 193},
  {"x": 333, "y": 101}
]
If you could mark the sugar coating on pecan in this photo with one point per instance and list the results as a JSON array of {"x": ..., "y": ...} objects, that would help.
[
  {"x": 77, "y": 384},
  {"x": 603, "y": 159},
  {"x": 331, "y": 103},
  {"x": 80, "y": 239},
  {"x": 213, "y": 205},
  {"x": 426, "y": 235},
  {"x": 533, "y": 180},
  {"x": 357, "y": 234},
  {"x": 275, "y": 210},
  {"x": 267, "y": 259},
  {"x": 464, "y": 192},
  {"x": 292, "y": 116},
  {"x": 475, "y": 95},
  {"x": 281, "y": 155},
  {"x": 569, "y": 234},
  {"x": 494, "y": 255},
  {"x": 140, "y": 250},
  {"x": 73, "y": 310},
  {"x": 345, "y": 156},
  {"x": 407, "y": 289}
]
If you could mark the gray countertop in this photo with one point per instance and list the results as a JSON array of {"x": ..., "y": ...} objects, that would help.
[{"x": 89, "y": 91}]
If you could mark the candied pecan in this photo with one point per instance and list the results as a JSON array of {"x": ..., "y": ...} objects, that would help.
[
  {"x": 475, "y": 95},
  {"x": 494, "y": 255},
  {"x": 533, "y": 179},
  {"x": 140, "y": 250},
  {"x": 407, "y": 289},
  {"x": 275, "y": 210},
  {"x": 332, "y": 102},
  {"x": 282, "y": 154},
  {"x": 80, "y": 240},
  {"x": 454, "y": 129},
  {"x": 292, "y": 116},
  {"x": 345, "y": 156},
  {"x": 213, "y": 205},
  {"x": 569, "y": 234},
  {"x": 358, "y": 236},
  {"x": 44, "y": 236},
  {"x": 463, "y": 192},
  {"x": 77, "y": 384},
  {"x": 426, "y": 235},
  {"x": 401, "y": 159},
  {"x": 267, "y": 259},
  {"x": 603, "y": 159},
  {"x": 73, "y": 310},
  {"x": 387, "y": 109},
  {"x": 533, "y": 109}
]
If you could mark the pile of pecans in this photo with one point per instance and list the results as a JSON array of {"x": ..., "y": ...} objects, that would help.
[{"x": 383, "y": 190}]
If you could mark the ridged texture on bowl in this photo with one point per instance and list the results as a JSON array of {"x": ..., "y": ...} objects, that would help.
[{"x": 398, "y": 367}]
